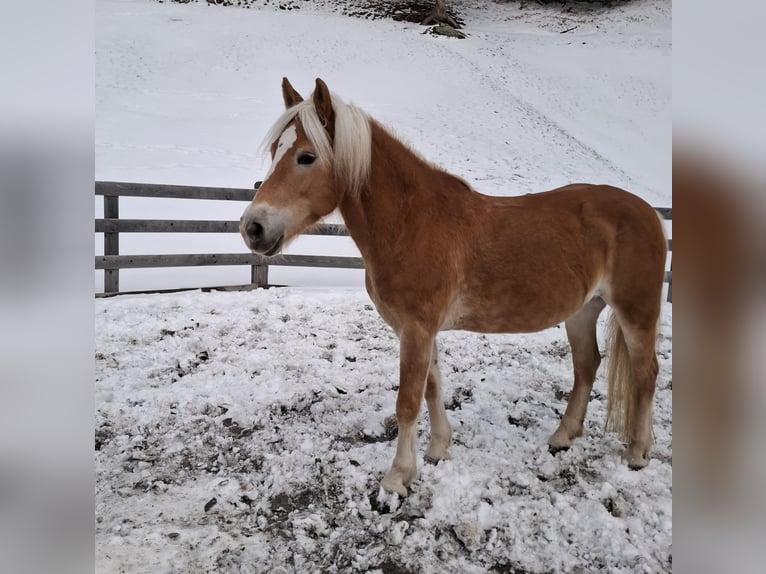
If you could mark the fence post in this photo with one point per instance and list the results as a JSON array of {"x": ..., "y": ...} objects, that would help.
[
  {"x": 111, "y": 243},
  {"x": 259, "y": 275},
  {"x": 670, "y": 284}
]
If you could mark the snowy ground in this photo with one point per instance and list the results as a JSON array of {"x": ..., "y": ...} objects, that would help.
[{"x": 247, "y": 432}]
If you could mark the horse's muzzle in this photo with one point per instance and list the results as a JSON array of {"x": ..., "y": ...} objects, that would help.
[{"x": 261, "y": 233}]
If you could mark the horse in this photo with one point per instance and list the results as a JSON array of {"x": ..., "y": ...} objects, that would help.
[{"x": 439, "y": 255}]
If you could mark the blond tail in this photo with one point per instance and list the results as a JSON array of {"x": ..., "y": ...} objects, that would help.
[{"x": 620, "y": 406}]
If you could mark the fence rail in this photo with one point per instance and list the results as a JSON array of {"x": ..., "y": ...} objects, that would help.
[
  {"x": 122, "y": 189},
  {"x": 203, "y": 259},
  {"x": 194, "y": 226},
  {"x": 112, "y": 226}
]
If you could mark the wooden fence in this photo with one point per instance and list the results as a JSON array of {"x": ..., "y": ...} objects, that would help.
[{"x": 111, "y": 226}]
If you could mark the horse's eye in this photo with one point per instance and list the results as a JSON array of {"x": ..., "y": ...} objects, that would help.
[{"x": 306, "y": 159}]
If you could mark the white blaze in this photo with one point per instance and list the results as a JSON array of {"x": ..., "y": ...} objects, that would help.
[{"x": 286, "y": 141}]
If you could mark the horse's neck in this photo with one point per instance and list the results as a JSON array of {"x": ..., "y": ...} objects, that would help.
[{"x": 400, "y": 182}]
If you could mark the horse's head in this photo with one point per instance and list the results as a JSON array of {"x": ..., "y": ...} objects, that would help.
[{"x": 307, "y": 178}]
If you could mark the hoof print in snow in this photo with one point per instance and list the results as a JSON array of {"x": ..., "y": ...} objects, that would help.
[
  {"x": 469, "y": 535},
  {"x": 613, "y": 506},
  {"x": 390, "y": 432},
  {"x": 397, "y": 532},
  {"x": 523, "y": 421},
  {"x": 285, "y": 503},
  {"x": 104, "y": 434},
  {"x": 460, "y": 396},
  {"x": 391, "y": 427},
  {"x": 389, "y": 566},
  {"x": 235, "y": 430}
]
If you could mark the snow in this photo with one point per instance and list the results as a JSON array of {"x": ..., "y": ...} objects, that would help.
[
  {"x": 275, "y": 404},
  {"x": 248, "y": 432}
]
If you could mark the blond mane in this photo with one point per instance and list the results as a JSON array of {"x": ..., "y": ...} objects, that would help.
[{"x": 350, "y": 152}]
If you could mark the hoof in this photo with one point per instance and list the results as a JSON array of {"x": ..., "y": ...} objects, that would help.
[
  {"x": 566, "y": 433},
  {"x": 555, "y": 449},
  {"x": 559, "y": 441},
  {"x": 434, "y": 459},
  {"x": 635, "y": 460},
  {"x": 394, "y": 485},
  {"x": 384, "y": 502},
  {"x": 434, "y": 456}
]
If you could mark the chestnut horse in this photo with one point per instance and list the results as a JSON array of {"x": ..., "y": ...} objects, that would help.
[{"x": 439, "y": 255}]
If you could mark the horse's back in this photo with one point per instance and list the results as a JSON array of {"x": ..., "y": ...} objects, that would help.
[
  {"x": 612, "y": 205},
  {"x": 538, "y": 258},
  {"x": 582, "y": 218}
]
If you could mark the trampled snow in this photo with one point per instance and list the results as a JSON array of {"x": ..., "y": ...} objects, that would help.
[
  {"x": 248, "y": 432},
  {"x": 240, "y": 432}
]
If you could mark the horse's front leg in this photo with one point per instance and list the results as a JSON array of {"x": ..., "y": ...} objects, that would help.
[{"x": 416, "y": 345}]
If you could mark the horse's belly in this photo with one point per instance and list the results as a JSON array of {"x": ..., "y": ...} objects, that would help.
[
  {"x": 494, "y": 324},
  {"x": 509, "y": 316}
]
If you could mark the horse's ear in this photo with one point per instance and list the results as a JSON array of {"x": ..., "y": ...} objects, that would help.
[
  {"x": 290, "y": 95},
  {"x": 323, "y": 107}
]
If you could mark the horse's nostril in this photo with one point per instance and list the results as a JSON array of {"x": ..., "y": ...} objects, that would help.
[{"x": 254, "y": 229}]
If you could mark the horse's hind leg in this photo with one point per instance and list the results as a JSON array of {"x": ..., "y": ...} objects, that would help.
[
  {"x": 632, "y": 379},
  {"x": 441, "y": 431},
  {"x": 645, "y": 377},
  {"x": 581, "y": 331}
]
